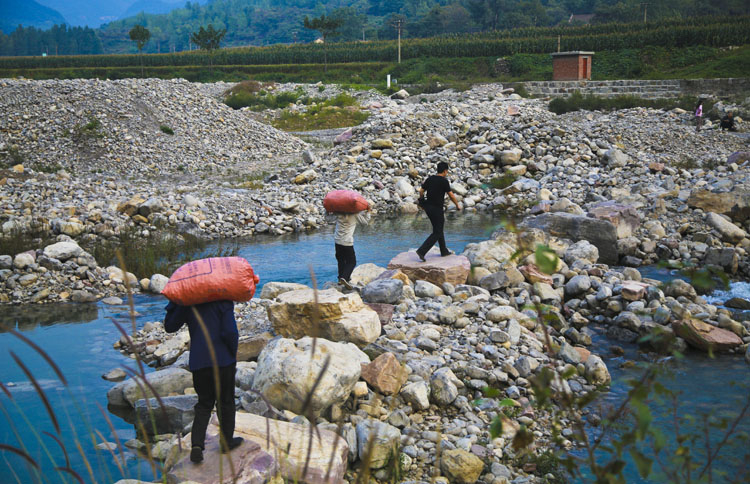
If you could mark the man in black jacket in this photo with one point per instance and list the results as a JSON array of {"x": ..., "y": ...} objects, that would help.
[
  {"x": 211, "y": 324},
  {"x": 727, "y": 122},
  {"x": 437, "y": 187}
]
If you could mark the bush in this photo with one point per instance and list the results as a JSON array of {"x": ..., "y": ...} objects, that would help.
[
  {"x": 166, "y": 129},
  {"x": 520, "y": 64}
]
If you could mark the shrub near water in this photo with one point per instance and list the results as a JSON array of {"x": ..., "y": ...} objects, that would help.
[{"x": 337, "y": 112}]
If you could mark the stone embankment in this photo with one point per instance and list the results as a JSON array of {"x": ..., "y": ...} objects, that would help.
[{"x": 646, "y": 88}]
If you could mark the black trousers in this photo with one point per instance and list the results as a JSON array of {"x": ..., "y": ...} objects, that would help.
[
  {"x": 437, "y": 218},
  {"x": 347, "y": 261},
  {"x": 205, "y": 387}
]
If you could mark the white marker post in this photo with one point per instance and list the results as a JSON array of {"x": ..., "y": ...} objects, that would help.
[{"x": 388, "y": 81}]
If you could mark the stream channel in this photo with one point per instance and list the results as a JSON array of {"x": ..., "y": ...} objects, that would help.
[{"x": 79, "y": 338}]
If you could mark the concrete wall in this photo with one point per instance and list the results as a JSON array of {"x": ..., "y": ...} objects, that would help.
[{"x": 650, "y": 89}]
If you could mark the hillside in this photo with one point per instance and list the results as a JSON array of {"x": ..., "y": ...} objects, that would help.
[{"x": 28, "y": 13}]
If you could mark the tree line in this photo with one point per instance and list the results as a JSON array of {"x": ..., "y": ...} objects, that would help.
[
  {"x": 263, "y": 22},
  {"x": 58, "y": 40}
]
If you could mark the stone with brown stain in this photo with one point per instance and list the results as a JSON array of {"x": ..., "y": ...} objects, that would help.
[{"x": 385, "y": 374}]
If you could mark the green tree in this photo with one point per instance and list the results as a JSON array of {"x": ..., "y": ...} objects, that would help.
[
  {"x": 328, "y": 27},
  {"x": 208, "y": 39},
  {"x": 140, "y": 35}
]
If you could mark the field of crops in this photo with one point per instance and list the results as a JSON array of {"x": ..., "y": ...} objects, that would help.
[{"x": 707, "y": 31}]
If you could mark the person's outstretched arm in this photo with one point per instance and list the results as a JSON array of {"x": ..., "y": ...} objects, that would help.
[
  {"x": 453, "y": 199},
  {"x": 176, "y": 316}
]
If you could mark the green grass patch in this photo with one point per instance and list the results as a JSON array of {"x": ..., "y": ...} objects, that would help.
[
  {"x": 166, "y": 129},
  {"x": 323, "y": 117},
  {"x": 253, "y": 181},
  {"x": 503, "y": 181}
]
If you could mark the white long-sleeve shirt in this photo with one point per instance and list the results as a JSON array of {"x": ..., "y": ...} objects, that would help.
[{"x": 345, "y": 225}]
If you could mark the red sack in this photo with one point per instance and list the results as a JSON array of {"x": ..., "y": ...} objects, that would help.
[
  {"x": 345, "y": 201},
  {"x": 213, "y": 279}
]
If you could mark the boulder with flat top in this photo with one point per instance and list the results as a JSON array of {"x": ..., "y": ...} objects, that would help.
[
  {"x": 705, "y": 336},
  {"x": 332, "y": 315},
  {"x": 601, "y": 233},
  {"x": 734, "y": 203},
  {"x": 625, "y": 218},
  {"x": 436, "y": 269},
  {"x": 248, "y": 464}
]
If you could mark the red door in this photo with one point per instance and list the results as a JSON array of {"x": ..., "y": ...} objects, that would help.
[{"x": 586, "y": 74}]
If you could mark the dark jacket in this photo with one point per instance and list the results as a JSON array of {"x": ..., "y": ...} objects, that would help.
[{"x": 218, "y": 318}]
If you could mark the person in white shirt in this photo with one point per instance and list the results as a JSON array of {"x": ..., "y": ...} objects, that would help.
[{"x": 343, "y": 237}]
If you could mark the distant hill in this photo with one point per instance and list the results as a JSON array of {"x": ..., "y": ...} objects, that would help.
[
  {"x": 27, "y": 13},
  {"x": 150, "y": 6},
  {"x": 90, "y": 13},
  {"x": 94, "y": 13}
]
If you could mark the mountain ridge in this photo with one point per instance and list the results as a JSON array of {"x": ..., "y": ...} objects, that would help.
[{"x": 27, "y": 13}]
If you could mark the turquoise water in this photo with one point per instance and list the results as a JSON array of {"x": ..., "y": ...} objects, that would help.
[
  {"x": 79, "y": 338},
  {"x": 716, "y": 386}
]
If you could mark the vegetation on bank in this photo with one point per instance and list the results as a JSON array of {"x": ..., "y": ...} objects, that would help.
[
  {"x": 654, "y": 62},
  {"x": 712, "y": 32},
  {"x": 257, "y": 22}
]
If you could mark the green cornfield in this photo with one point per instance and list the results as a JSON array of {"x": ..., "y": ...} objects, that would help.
[{"x": 708, "y": 31}]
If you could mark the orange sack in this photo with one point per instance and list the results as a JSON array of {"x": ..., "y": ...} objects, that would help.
[
  {"x": 345, "y": 201},
  {"x": 213, "y": 279}
]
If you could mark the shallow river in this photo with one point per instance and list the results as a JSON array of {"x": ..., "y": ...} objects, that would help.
[{"x": 79, "y": 340}]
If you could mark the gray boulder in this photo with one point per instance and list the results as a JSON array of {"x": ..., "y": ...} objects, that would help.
[
  {"x": 287, "y": 370},
  {"x": 601, "y": 233},
  {"x": 175, "y": 414},
  {"x": 63, "y": 251},
  {"x": 444, "y": 386},
  {"x": 164, "y": 382},
  {"x": 581, "y": 250},
  {"x": 386, "y": 291},
  {"x": 577, "y": 285},
  {"x": 381, "y": 439}
]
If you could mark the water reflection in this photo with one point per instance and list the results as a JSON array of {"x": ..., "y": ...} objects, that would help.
[{"x": 29, "y": 317}]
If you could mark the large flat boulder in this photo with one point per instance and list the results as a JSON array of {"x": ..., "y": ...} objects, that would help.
[
  {"x": 289, "y": 441},
  {"x": 625, "y": 218},
  {"x": 334, "y": 316},
  {"x": 247, "y": 464},
  {"x": 735, "y": 203},
  {"x": 705, "y": 336},
  {"x": 272, "y": 289},
  {"x": 287, "y": 371},
  {"x": 437, "y": 270},
  {"x": 601, "y": 233}
]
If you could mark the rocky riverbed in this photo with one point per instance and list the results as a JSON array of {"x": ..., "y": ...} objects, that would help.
[
  {"x": 88, "y": 159},
  {"x": 412, "y": 352},
  {"x": 416, "y": 346}
]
